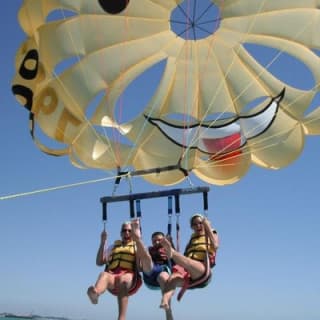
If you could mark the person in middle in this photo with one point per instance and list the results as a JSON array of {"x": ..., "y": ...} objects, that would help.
[{"x": 155, "y": 265}]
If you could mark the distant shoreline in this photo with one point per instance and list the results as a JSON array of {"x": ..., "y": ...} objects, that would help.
[
  {"x": 19, "y": 316},
  {"x": 29, "y": 316}
]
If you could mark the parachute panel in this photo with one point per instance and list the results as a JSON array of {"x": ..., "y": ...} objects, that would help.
[{"x": 97, "y": 49}]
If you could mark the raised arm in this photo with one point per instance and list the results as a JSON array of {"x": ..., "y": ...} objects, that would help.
[
  {"x": 101, "y": 259},
  {"x": 211, "y": 233}
]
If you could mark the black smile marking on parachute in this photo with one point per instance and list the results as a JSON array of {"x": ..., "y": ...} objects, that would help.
[
  {"x": 213, "y": 130},
  {"x": 113, "y": 6}
]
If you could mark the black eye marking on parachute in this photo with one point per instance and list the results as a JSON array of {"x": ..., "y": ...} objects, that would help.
[
  {"x": 25, "y": 92},
  {"x": 27, "y": 74},
  {"x": 113, "y": 6},
  {"x": 231, "y": 135}
]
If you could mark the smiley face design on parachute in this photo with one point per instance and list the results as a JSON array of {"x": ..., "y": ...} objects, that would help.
[{"x": 72, "y": 70}]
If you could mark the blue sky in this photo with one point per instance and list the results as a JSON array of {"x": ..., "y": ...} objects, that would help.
[{"x": 267, "y": 266}]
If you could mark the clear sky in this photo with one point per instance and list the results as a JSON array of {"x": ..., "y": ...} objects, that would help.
[{"x": 267, "y": 266}]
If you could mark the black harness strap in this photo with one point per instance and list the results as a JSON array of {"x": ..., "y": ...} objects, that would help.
[
  {"x": 177, "y": 211},
  {"x": 169, "y": 232},
  {"x": 104, "y": 215},
  {"x": 138, "y": 208}
]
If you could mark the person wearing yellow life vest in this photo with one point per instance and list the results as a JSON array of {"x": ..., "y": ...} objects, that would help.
[
  {"x": 193, "y": 269},
  {"x": 120, "y": 277}
]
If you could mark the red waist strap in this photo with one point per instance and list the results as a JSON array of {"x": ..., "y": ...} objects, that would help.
[
  {"x": 194, "y": 283},
  {"x": 136, "y": 283}
]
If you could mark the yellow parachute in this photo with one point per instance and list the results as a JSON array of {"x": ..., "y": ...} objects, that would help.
[{"x": 71, "y": 72}]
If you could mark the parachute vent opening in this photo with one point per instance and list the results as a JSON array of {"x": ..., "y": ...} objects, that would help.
[
  {"x": 275, "y": 61},
  {"x": 66, "y": 64},
  {"x": 180, "y": 118},
  {"x": 44, "y": 136},
  {"x": 60, "y": 14},
  {"x": 134, "y": 97},
  {"x": 255, "y": 106},
  {"x": 195, "y": 19},
  {"x": 314, "y": 105},
  {"x": 94, "y": 103}
]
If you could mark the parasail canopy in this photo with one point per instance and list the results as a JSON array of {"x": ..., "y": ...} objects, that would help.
[{"x": 215, "y": 109}]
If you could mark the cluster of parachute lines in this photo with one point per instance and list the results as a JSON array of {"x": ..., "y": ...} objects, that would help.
[{"x": 214, "y": 109}]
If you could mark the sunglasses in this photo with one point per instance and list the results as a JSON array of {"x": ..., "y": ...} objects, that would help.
[{"x": 126, "y": 230}]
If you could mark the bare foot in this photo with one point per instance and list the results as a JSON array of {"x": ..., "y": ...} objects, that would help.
[
  {"x": 167, "y": 308},
  {"x": 167, "y": 247},
  {"x": 93, "y": 295},
  {"x": 135, "y": 225},
  {"x": 164, "y": 305}
]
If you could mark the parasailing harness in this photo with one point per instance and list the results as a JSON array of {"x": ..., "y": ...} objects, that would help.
[{"x": 134, "y": 200}]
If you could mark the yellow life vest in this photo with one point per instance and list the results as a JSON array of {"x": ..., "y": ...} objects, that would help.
[
  {"x": 122, "y": 255},
  {"x": 198, "y": 247}
]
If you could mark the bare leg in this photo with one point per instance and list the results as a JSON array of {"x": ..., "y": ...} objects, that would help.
[
  {"x": 123, "y": 298},
  {"x": 100, "y": 287},
  {"x": 195, "y": 268},
  {"x": 142, "y": 252},
  {"x": 93, "y": 295},
  {"x": 175, "y": 280},
  {"x": 166, "y": 295},
  {"x": 169, "y": 315}
]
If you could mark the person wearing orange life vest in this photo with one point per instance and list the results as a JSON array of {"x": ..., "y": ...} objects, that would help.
[
  {"x": 120, "y": 276},
  {"x": 155, "y": 265},
  {"x": 193, "y": 269}
]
